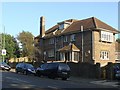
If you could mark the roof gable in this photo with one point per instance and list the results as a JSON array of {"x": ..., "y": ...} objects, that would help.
[{"x": 100, "y": 24}]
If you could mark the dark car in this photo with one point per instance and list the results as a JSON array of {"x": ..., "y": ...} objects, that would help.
[
  {"x": 53, "y": 70},
  {"x": 4, "y": 66},
  {"x": 116, "y": 70},
  {"x": 25, "y": 68}
]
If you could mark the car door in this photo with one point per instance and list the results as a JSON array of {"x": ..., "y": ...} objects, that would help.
[
  {"x": 18, "y": 67},
  {"x": 22, "y": 67},
  {"x": 43, "y": 69}
]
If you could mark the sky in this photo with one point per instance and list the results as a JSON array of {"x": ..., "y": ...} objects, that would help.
[{"x": 19, "y": 16}]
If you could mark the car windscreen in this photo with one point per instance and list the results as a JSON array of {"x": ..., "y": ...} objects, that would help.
[
  {"x": 30, "y": 66},
  {"x": 64, "y": 66},
  {"x": 4, "y": 64},
  {"x": 52, "y": 65},
  {"x": 43, "y": 66}
]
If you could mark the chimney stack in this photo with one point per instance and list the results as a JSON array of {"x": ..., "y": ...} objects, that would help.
[{"x": 42, "y": 26}]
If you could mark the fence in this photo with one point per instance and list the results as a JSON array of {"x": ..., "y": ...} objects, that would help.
[{"x": 85, "y": 70}]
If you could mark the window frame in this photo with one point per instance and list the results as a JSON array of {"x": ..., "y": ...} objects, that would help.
[
  {"x": 72, "y": 37},
  {"x": 106, "y": 36},
  {"x": 51, "y": 41},
  {"x": 51, "y": 53},
  {"x": 65, "y": 39},
  {"x": 104, "y": 55}
]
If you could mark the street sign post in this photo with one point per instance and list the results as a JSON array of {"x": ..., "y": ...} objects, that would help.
[{"x": 3, "y": 52}]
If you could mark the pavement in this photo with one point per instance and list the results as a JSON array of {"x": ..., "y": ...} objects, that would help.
[{"x": 114, "y": 83}]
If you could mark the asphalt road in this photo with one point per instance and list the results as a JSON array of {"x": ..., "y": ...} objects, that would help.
[{"x": 13, "y": 81}]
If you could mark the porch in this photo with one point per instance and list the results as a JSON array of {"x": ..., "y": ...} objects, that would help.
[{"x": 69, "y": 53}]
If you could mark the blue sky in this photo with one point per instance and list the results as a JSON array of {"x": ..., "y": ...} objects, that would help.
[{"x": 18, "y": 16}]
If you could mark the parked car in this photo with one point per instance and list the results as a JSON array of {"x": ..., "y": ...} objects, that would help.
[
  {"x": 117, "y": 71},
  {"x": 4, "y": 66},
  {"x": 25, "y": 68},
  {"x": 53, "y": 70}
]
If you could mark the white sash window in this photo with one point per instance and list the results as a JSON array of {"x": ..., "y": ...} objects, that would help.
[{"x": 106, "y": 36}]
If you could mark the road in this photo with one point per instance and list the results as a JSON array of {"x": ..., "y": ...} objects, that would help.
[{"x": 13, "y": 81}]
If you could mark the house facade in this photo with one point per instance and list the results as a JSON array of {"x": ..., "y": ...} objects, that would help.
[
  {"x": 88, "y": 40},
  {"x": 117, "y": 52}
]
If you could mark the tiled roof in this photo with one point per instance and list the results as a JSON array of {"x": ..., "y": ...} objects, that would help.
[
  {"x": 100, "y": 24},
  {"x": 89, "y": 23},
  {"x": 76, "y": 26},
  {"x": 52, "y": 29},
  {"x": 68, "y": 48}
]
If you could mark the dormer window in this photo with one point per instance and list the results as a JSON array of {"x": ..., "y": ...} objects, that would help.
[{"x": 63, "y": 25}]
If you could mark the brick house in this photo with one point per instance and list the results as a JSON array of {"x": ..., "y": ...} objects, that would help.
[
  {"x": 117, "y": 52},
  {"x": 88, "y": 40}
]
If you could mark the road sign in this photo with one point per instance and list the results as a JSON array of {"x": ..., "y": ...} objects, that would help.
[{"x": 3, "y": 52}]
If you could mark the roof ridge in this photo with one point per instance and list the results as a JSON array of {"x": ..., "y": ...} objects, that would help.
[{"x": 94, "y": 21}]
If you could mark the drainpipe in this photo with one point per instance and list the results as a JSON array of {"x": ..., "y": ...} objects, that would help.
[
  {"x": 82, "y": 42},
  {"x": 55, "y": 48},
  {"x": 93, "y": 46}
]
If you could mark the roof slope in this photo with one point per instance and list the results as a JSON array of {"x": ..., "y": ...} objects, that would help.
[
  {"x": 76, "y": 26},
  {"x": 69, "y": 48},
  {"x": 100, "y": 24},
  {"x": 89, "y": 23}
]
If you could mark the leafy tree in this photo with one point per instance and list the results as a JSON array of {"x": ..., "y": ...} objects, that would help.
[
  {"x": 26, "y": 39},
  {"x": 11, "y": 46},
  {"x": 37, "y": 51}
]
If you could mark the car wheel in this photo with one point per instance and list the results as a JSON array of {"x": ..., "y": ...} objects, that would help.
[
  {"x": 25, "y": 72},
  {"x": 8, "y": 70},
  {"x": 16, "y": 71},
  {"x": 38, "y": 74},
  {"x": 51, "y": 76},
  {"x": 64, "y": 78},
  {"x": 35, "y": 74},
  {"x": 3, "y": 69}
]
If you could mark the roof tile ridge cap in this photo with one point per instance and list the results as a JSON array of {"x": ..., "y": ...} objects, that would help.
[{"x": 95, "y": 22}]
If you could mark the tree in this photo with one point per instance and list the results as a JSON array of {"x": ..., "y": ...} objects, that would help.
[
  {"x": 17, "y": 48},
  {"x": 26, "y": 39},
  {"x": 11, "y": 46}
]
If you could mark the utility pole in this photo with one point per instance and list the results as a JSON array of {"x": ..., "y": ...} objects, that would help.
[
  {"x": 82, "y": 42},
  {"x": 3, "y": 48},
  {"x": 0, "y": 46},
  {"x": 4, "y": 42}
]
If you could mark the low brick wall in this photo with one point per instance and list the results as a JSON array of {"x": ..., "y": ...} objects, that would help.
[
  {"x": 108, "y": 71},
  {"x": 85, "y": 70}
]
